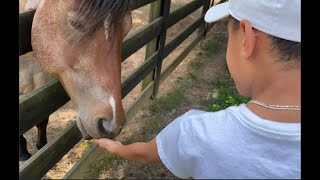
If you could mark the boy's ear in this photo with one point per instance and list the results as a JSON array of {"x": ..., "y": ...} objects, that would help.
[{"x": 249, "y": 38}]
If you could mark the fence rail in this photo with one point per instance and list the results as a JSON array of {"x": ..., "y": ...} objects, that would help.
[{"x": 39, "y": 104}]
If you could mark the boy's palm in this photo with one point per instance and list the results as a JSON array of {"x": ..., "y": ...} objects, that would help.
[{"x": 110, "y": 145}]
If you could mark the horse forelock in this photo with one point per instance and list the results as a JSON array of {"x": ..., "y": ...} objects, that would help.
[{"x": 88, "y": 16}]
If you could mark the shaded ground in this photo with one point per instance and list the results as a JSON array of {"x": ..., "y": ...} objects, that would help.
[{"x": 68, "y": 113}]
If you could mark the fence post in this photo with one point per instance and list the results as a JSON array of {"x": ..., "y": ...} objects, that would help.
[
  {"x": 205, "y": 7},
  {"x": 152, "y": 46},
  {"x": 209, "y": 26},
  {"x": 165, "y": 9}
]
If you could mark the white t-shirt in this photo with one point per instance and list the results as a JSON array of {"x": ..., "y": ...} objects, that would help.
[{"x": 231, "y": 143}]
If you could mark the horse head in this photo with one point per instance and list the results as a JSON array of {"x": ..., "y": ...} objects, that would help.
[{"x": 80, "y": 41}]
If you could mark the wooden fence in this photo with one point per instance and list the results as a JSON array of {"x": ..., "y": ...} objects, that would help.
[{"x": 39, "y": 104}]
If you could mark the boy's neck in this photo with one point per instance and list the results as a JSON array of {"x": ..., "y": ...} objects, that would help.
[{"x": 280, "y": 88}]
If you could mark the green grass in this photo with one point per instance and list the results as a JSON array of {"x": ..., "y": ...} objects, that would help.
[
  {"x": 214, "y": 45},
  {"x": 195, "y": 65},
  {"x": 154, "y": 125},
  {"x": 224, "y": 95},
  {"x": 105, "y": 162},
  {"x": 168, "y": 102}
]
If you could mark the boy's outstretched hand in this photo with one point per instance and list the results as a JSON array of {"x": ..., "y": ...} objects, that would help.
[
  {"x": 110, "y": 145},
  {"x": 140, "y": 151}
]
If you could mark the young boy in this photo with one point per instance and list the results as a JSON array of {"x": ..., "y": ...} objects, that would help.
[{"x": 260, "y": 139}]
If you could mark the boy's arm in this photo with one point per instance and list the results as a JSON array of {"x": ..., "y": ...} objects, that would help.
[{"x": 140, "y": 151}]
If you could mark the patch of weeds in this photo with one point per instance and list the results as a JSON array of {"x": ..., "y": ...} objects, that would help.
[
  {"x": 154, "y": 106},
  {"x": 195, "y": 65},
  {"x": 214, "y": 45},
  {"x": 105, "y": 162},
  {"x": 179, "y": 79},
  {"x": 193, "y": 77},
  {"x": 224, "y": 95},
  {"x": 168, "y": 102},
  {"x": 86, "y": 144},
  {"x": 172, "y": 100},
  {"x": 154, "y": 125},
  {"x": 193, "y": 70}
]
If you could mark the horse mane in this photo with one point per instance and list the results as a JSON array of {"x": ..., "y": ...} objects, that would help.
[{"x": 88, "y": 16}]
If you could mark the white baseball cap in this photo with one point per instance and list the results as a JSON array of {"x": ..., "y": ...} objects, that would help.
[{"x": 280, "y": 18}]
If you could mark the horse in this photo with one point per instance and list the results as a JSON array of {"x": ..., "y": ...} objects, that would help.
[{"x": 80, "y": 42}]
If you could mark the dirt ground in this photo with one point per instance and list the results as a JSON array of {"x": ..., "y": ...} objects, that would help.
[{"x": 68, "y": 113}]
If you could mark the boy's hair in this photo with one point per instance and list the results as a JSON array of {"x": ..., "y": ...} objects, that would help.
[{"x": 286, "y": 50}]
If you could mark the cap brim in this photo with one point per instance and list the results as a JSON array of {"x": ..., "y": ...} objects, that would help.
[{"x": 217, "y": 12}]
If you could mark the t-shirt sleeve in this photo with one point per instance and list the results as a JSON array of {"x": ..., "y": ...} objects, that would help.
[{"x": 171, "y": 143}]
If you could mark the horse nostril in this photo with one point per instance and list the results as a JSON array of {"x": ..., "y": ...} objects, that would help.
[
  {"x": 103, "y": 125},
  {"x": 100, "y": 123},
  {"x": 107, "y": 128}
]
